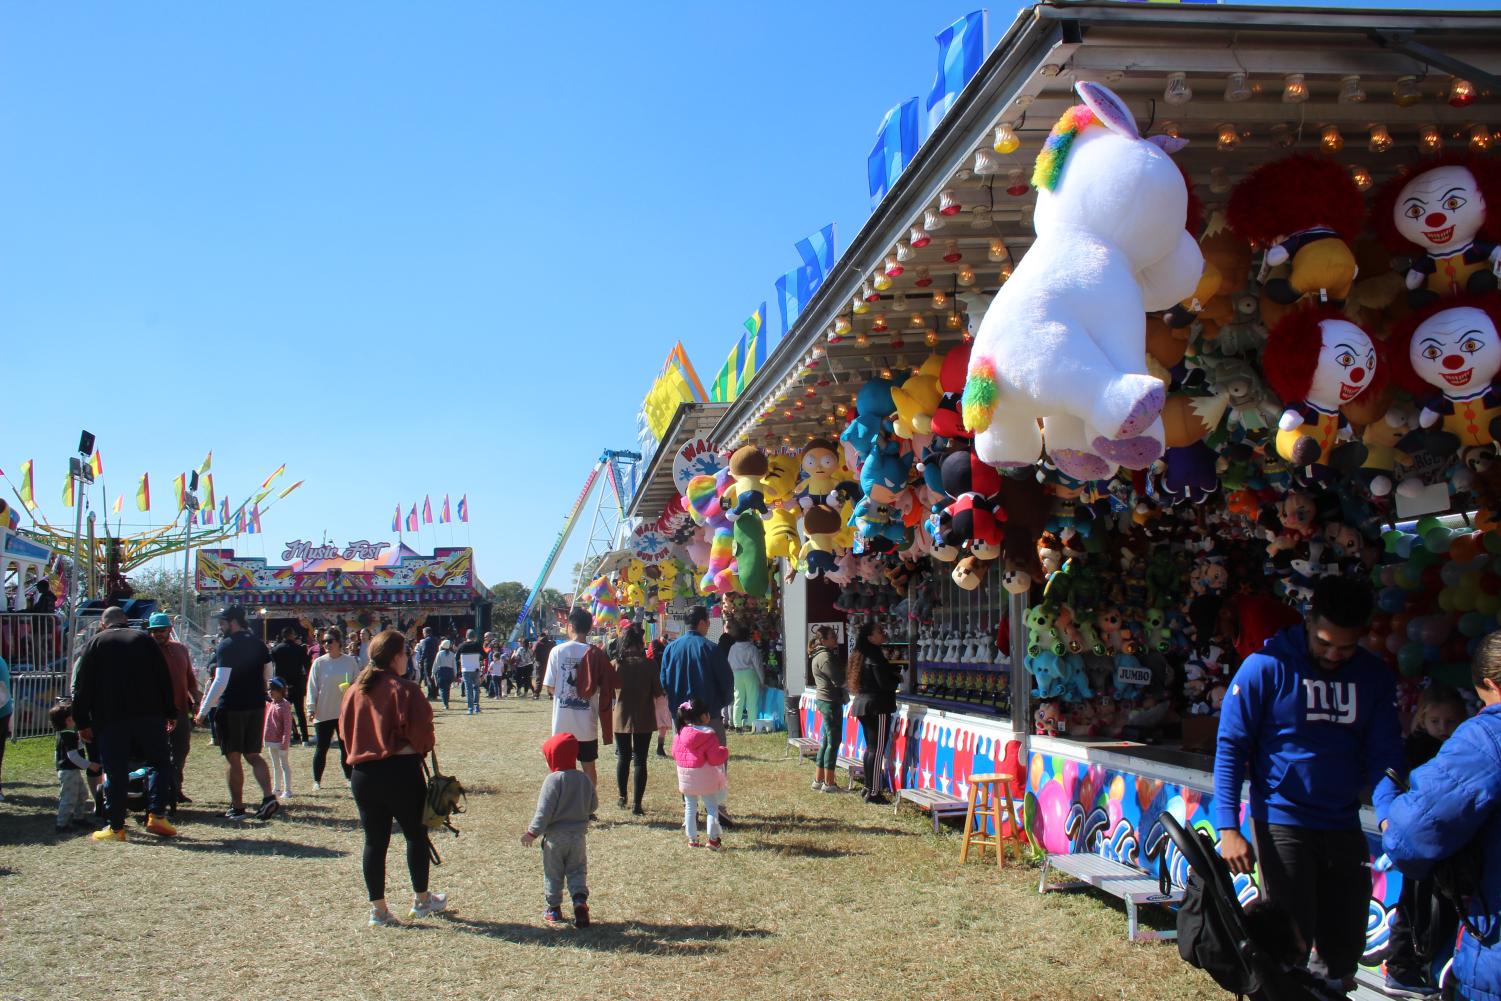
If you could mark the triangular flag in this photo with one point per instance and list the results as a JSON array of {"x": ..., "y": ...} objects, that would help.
[
  {"x": 279, "y": 470},
  {"x": 208, "y": 462},
  {"x": 290, "y": 489},
  {"x": 68, "y": 491},
  {"x": 412, "y": 519},
  {"x": 143, "y": 493},
  {"x": 427, "y": 510},
  {"x": 224, "y": 512},
  {"x": 208, "y": 491},
  {"x": 261, "y": 496},
  {"x": 119, "y": 503},
  {"x": 464, "y": 508},
  {"x": 443, "y": 516},
  {"x": 396, "y": 519},
  {"x": 96, "y": 463},
  {"x": 27, "y": 496},
  {"x": 180, "y": 488},
  {"x": 255, "y": 518}
]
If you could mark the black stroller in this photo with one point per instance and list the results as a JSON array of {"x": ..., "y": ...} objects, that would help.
[{"x": 1253, "y": 955}]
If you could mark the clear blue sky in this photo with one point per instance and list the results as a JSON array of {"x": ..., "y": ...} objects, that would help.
[{"x": 408, "y": 249}]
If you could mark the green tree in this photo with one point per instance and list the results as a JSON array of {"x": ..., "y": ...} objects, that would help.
[{"x": 163, "y": 584}]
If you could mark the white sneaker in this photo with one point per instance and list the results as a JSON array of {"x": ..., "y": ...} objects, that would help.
[
  {"x": 817, "y": 786},
  {"x": 832, "y": 788},
  {"x": 285, "y": 797},
  {"x": 436, "y": 903},
  {"x": 317, "y": 786},
  {"x": 383, "y": 918}
]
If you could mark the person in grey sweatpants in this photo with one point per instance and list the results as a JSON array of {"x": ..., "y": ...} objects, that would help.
[{"x": 567, "y": 799}]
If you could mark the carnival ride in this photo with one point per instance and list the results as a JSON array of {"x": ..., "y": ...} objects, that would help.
[{"x": 619, "y": 468}]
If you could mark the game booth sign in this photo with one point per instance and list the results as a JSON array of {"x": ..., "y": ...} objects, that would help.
[
  {"x": 360, "y": 583},
  {"x": 1177, "y": 311}
]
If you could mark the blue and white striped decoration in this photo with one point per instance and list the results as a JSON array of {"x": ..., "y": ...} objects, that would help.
[
  {"x": 896, "y": 145},
  {"x": 961, "y": 50}
]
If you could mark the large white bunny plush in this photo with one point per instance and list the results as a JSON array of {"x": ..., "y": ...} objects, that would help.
[{"x": 1064, "y": 340}]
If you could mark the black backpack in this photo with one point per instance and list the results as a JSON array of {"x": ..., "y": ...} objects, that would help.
[{"x": 1206, "y": 941}]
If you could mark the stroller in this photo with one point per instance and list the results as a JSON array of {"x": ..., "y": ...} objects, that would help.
[
  {"x": 137, "y": 794},
  {"x": 1252, "y": 955}
]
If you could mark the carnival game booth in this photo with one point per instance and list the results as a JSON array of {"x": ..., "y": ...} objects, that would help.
[
  {"x": 1091, "y": 410},
  {"x": 361, "y": 584}
]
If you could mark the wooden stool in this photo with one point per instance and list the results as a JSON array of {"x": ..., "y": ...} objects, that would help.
[{"x": 991, "y": 797}]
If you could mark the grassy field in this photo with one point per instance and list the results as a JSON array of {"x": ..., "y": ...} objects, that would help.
[{"x": 818, "y": 896}]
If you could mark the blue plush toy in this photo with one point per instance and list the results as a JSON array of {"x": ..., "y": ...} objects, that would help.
[{"x": 873, "y": 409}]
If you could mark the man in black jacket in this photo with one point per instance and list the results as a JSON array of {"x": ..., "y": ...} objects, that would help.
[
  {"x": 292, "y": 661},
  {"x": 123, "y": 701}
]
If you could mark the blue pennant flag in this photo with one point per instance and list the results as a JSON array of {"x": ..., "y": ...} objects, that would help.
[
  {"x": 817, "y": 252},
  {"x": 794, "y": 289},
  {"x": 896, "y": 145},
  {"x": 961, "y": 50}
]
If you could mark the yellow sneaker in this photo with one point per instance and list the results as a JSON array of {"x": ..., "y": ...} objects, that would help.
[
  {"x": 108, "y": 834},
  {"x": 160, "y": 826}
]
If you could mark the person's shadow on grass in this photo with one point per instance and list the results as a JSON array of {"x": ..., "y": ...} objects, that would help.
[{"x": 606, "y": 936}]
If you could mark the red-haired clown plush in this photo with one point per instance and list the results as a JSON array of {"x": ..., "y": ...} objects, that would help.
[
  {"x": 1446, "y": 215},
  {"x": 1317, "y": 361},
  {"x": 1304, "y": 210},
  {"x": 1449, "y": 357}
]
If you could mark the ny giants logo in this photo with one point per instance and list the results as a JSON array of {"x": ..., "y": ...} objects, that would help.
[{"x": 1329, "y": 701}]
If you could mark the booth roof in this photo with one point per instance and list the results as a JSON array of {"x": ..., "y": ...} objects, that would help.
[
  {"x": 692, "y": 421},
  {"x": 1027, "y": 82}
]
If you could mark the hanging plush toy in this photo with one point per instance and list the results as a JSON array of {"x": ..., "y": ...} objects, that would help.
[
  {"x": 1304, "y": 211},
  {"x": 747, "y": 466},
  {"x": 821, "y": 524},
  {"x": 1449, "y": 357},
  {"x": 878, "y": 527},
  {"x": 948, "y": 418},
  {"x": 917, "y": 398},
  {"x": 820, "y": 462},
  {"x": 1446, "y": 216},
  {"x": 781, "y": 534},
  {"x": 780, "y": 481},
  {"x": 702, "y": 496},
  {"x": 1064, "y": 340},
  {"x": 873, "y": 410},
  {"x": 1317, "y": 361}
]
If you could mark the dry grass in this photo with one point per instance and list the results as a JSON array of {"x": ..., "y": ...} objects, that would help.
[{"x": 819, "y": 897}]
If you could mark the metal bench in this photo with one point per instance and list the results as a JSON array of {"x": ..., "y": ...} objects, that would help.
[
  {"x": 939, "y": 804},
  {"x": 1127, "y": 882}
]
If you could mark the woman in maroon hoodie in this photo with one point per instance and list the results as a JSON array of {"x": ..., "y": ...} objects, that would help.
[{"x": 387, "y": 726}]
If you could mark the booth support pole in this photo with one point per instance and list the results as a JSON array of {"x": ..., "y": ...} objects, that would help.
[
  {"x": 75, "y": 593},
  {"x": 1021, "y": 679}
]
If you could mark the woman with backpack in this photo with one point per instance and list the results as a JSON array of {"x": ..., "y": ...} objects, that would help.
[
  {"x": 873, "y": 683},
  {"x": 1449, "y": 824},
  {"x": 387, "y": 726}
]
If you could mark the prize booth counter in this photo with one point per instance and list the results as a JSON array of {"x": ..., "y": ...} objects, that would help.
[{"x": 1093, "y": 597}]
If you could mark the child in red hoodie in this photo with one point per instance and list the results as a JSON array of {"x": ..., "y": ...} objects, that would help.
[{"x": 562, "y": 821}]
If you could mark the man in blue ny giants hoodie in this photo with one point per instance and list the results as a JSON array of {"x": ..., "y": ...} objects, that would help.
[{"x": 1312, "y": 719}]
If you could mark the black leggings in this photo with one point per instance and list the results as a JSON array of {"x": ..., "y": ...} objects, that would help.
[
  {"x": 629, "y": 746},
  {"x": 390, "y": 789},
  {"x": 326, "y": 730}
]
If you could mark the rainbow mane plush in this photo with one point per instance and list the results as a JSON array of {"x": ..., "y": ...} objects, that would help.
[
  {"x": 1055, "y": 150},
  {"x": 703, "y": 497}
]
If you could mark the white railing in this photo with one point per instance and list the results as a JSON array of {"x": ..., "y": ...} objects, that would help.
[{"x": 35, "y": 646}]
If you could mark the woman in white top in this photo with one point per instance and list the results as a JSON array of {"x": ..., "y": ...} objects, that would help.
[
  {"x": 327, "y": 679},
  {"x": 445, "y": 667}
]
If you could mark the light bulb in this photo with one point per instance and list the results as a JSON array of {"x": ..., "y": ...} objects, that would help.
[
  {"x": 979, "y": 217},
  {"x": 834, "y": 336},
  {"x": 894, "y": 266},
  {"x": 1480, "y": 138},
  {"x": 878, "y": 325},
  {"x": 1381, "y": 139},
  {"x": 987, "y": 163},
  {"x": 1219, "y": 180},
  {"x": 904, "y": 251},
  {"x": 899, "y": 302},
  {"x": 896, "y": 342},
  {"x": 953, "y": 321},
  {"x": 924, "y": 278},
  {"x": 919, "y": 237},
  {"x": 948, "y": 202},
  {"x": 1461, "y": 93},
  {"x": 917, "y": 322},
  {"x": 1430, "y": 140},
  {"x": 1236, "y": 88},
  {"x": 1330, "y": 140},
  {"x": 1006, "y": 272},
  {"x": 1282, "y": 136},
  {"x": 1227, "y": 138},
  {"x": 930, "y": 338},
  {"x": 1005, "y": 140},
  {"x": 1177, "y": 90},
  {"x": 1349, "y": 90},
  {"x": 997, "y": 252},
  {"x": 860, "y": 306},
  {"x": 1361, "y": 177},
  {"x": 932, "y": 221},
  {"x": 841, "y": 325},
  {"x": 1025, "y": 217},
  {"x": 951, "y": 251},
  {"x": 886, "y": 374},
  {"x": 1016, "y": 183},
  {"x": 1170, "y": 129},
  {"x": 1405, "y": 92},
  {"x": 940, "y": 299},
  {"x": 862, "y": 339},
  {"x": 1294, "y": 89},
  {"x": 881, "y": 282},
  {"x": 966, "y": 275}
]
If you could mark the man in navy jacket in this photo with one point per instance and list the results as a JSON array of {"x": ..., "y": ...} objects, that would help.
[
  {"x": 1312, "y": 721},
  {"x": 1455, "y": 802},
  {"x": 694, "y": 668}
]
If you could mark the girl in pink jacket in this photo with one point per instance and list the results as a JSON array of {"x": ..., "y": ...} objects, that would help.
[{"x": 700, "y": 757}]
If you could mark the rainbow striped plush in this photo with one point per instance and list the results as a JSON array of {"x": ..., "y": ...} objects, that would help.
[
  {"x": 980, "y": 394},
  {"x": 1055, "y": 150}
]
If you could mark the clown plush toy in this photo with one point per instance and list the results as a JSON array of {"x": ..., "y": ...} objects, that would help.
[
  {"x": 1449, "y": 357},
  {"x": 1317, "y": 361},
  {"x": 1446, "y": 216},
  {"x": 1065, "y": 338},
  {"x": 1304, "y": 211}
]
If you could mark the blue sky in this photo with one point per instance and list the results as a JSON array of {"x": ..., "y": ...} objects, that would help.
[{"x": 409, "y": 249}]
